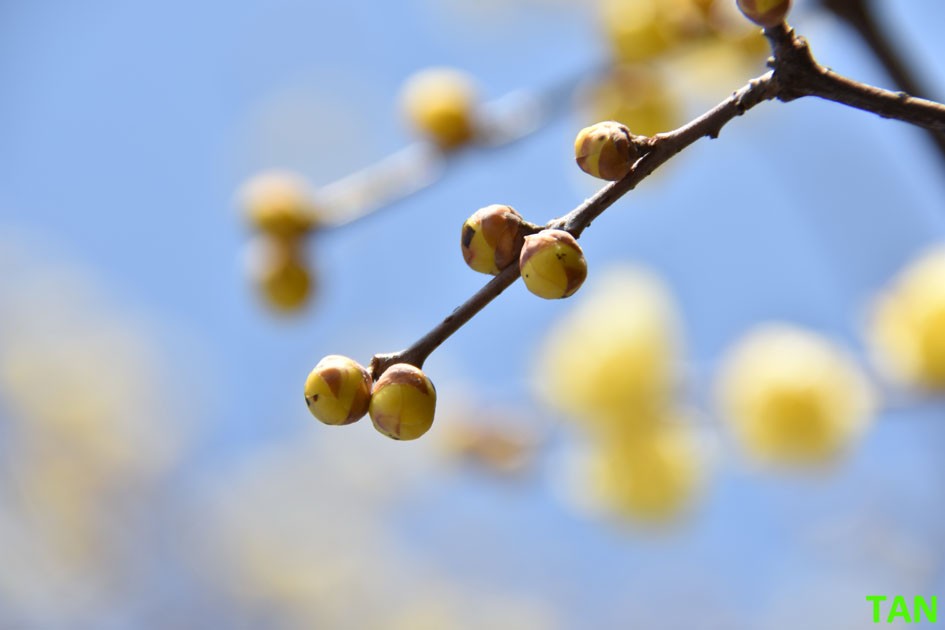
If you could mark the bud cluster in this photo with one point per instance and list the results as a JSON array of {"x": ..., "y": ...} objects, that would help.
[
  {"x": 279, "y": 209},
  {"x": 401, "y": 404}
]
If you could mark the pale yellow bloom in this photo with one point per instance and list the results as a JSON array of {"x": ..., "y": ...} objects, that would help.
[
  {"x": 792, "y": 396},
  {"x": 281, "y": 275},
  {"x": 279, "y": 203},
  {"x": 440, "y": 103},
  {"x": 635, "y": 95},
  {"x": 907, "y": 327},
  {"x": 611, "y": 360},
  {"x": 652, "y": 476},
  {"x": 639, "y": 30}
]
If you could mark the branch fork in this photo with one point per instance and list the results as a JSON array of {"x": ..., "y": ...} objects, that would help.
[{"x": 794, "y": 74}]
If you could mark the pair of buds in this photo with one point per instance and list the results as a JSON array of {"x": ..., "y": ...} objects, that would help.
[
  {"x": 401, "y": 404},
  {"x": 551, "y": 262}
]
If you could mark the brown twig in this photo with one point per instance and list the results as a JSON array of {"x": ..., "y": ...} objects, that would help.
[
  {"x": 794, "y": 74},
  {"x": 660, "y": 149},
  {"x": 499, "y": 123},
  {"x": 799, "y": 74},
  {"x": 860, "y": 16}
]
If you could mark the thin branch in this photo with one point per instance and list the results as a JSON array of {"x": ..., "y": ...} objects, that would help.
[
  {"x": 499, "y": 123},
  {"x": 799, "y": 74},
  {"x": 794, "y": 74},
  {"x": 860, "y": 16},
  {"x": 662, "y": 147},
  {"x": 419, "y": 351}
]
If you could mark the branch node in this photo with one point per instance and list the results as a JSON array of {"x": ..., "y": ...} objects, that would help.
[{"x": 381, "y": 362}]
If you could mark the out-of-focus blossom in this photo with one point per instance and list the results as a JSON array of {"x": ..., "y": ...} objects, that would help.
[
  {"x": 88, "y": 430},
  {"x": 636, "y": 95},
  {"x": 612, "y": 366},
  {"x": 907, "y": 328},
  {"x": 439, "y": 104},
  {"x": 792, "y": 396},
  {"x": 657, "y": 46},
  {"x": 652, "y": 477},
  {"x": 304, "y": 534},
  {"x": 279, "y": 269},
  {"x": 613, "y": 356},
  {"x": 641, "y": 30},
  {"x": 279, "y": 203},
  {"x": 504, "y": 450}
]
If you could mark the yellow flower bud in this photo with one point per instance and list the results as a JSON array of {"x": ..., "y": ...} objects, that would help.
[
  {"x": 605, "y": 150},
  {"x": 403, "y": 402},
  {"x": 440, "y": 104},
  {"x": 278, "y": 203},
  {"x": 492, "y": 238},
  {"x": 908, "y": 324},
  {"x": 278, "y": 269},
  {"x": 793, "y": 397},
  {"x": 338, "y": 390},
  {"x": 552, "y": 264},
  {"x": 765, "y": 13}
]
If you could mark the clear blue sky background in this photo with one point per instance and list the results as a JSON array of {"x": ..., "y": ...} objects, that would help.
[{"x": 125, "y": 128}]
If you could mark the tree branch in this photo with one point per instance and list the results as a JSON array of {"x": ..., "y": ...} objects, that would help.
[
  {"x": 799, "y": 74},
  {"x": 661, "y": 148},
  {"x": 794, "y": 74},
  {"x": 859, "y": 15}
]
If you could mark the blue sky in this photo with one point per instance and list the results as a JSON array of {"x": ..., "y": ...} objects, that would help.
[{"x": 126, "y": 127}]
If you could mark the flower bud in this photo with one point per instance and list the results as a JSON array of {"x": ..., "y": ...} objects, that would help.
[
  {"x": 552, "y": 264},
  {"x": 338, "y": 390},
  {"x": 278, "y": 203},
  {"x": 492, "y": 238},
  {"x": 403, "y": 402},
  {"x": 766, "y": 13},
  {"x": 439, "y": 103},
  {"x": 278, "y": 269},
  {"x": 605, "y": 150}
]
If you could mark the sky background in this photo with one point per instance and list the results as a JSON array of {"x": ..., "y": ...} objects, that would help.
[{"x": 127, "y": 127}]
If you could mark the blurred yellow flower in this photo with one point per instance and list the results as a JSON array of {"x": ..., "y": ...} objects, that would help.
[
  {"x": 792, "y": 396},
  {"x": 334, "y": 559},
  {"x": 612, "y": 358},
  {"x": 702, "y": 44},
  {"x": 279, "y": 203},
  {"x": 652, "y": 476},
  {"x": 637, "y": 96},
  {"x": 907, "y": 327},
  {"x": 280, "y": 273},
  {"x": 501, "y": 450},
  {"x": 89, "y": 431},
  {"x": 440, "y": 104},
  {"x": 709, "y": 69},
  {"x": 639, "y": 30}
]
